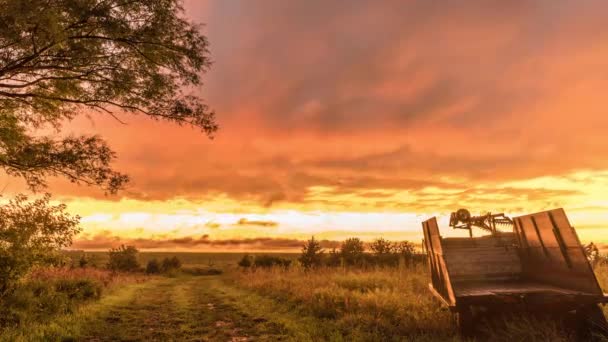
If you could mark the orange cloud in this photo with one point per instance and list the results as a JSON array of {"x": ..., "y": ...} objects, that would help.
[{"x": 324, "y": 110}]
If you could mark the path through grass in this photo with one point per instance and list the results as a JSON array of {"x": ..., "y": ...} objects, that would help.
[{"x": 180, "y": 309}]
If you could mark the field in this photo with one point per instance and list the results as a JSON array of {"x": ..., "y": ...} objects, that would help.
[{"x": 337, "y": 304}]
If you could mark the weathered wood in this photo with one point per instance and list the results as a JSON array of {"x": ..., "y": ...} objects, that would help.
[
  {"x": 439, "y": 270},
  {"x": 541, "y": 264},
  {"x": 552, "y": 252},
  {"x": 515, "y": 287}
]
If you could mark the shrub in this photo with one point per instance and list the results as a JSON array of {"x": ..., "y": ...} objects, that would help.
[
  {"x": 334, "y": 258},
  {"x": 40, "y": 299},
  {"x": 382, "y": 247},
  {"x": 384, "y": 253},
  {"x": 170, "y": 264},
  {"x": 267, "y": 261},
  {"x": 153, "y": 267},
  {"x": 124, "y": 259},
  {"x": 83, "y": 262},
  {"x": 312, "y": 254},
  {"x": 352, "y": 251},
  {"x": 79, "y": 289},
  {"x": 199, "y": 271},
  {"x": 31, "y": 233},
  {"x": 245, "y": 262},
  {"x": 405, "y": 250}
]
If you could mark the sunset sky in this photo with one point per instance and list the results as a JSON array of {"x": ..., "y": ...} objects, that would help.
[{"x": 362, "y": 118}]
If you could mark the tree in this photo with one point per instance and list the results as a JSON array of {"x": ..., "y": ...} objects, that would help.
[
  {"x": 312, "y": 254},
  {"x": 245, "y": 261},
  {"x": 124, "y": 259},
  {"x": 169, "y": 264},
  {"x": 64, "y": 58},
  {"x": 381, "y": 247},
  {"x": 352, "y": 250},
  {"x": 383, "y": 252},
  {"x": 406, "y": 250},
  {"x": 83, "y": 262},
  {"x": 31, "y": 233},
  {"x": 153, "y": 267},
  {"x": 334, "y": 258}
]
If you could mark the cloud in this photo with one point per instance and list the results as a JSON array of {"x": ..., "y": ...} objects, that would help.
[
  {"x": 322, "y": 109},
  {"x": 259, "y": 223},
  {"x": 212, "y": 225}
]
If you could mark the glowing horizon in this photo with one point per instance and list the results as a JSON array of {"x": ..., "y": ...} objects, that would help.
[{"x": 334, "y": 126}]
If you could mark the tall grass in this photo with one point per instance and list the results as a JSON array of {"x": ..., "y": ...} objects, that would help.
[
  {"x": 388, "y": 304},
  {"x": 380, "y": 304},
  {"x": 47, "y": 292}
]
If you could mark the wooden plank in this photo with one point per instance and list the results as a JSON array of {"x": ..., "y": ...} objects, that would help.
[
  {"x": 441, "y": 279},
  {"x": 440, "y": 297},
  {"x": 434, "y": 235},
  {"x": 483, "y": 263},
  {"x": 523, "y": 287},
  {"x": 553, "y": 254},
  {"x": 554, "y": 249}
]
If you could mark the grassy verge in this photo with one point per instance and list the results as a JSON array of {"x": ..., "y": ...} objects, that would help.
[
  {"x": 63, "y": 326},
  {"x": 391, "y": 304},
  {"x": 377, "y": 305}
]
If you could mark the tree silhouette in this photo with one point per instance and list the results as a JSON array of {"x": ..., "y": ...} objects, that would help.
[
  {"x": 312, "y": 254},
  {"x": 64, "y": 58}
]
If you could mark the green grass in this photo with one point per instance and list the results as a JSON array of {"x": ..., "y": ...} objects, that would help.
[
  {"x": 275, "y": 304},
  {"x": 183, "y": 308}
]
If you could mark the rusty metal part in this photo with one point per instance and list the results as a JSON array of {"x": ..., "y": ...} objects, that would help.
[{"x": 462, "y": 219}]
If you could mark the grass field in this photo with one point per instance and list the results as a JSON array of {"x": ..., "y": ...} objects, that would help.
[{"x": 336, "y": 304}]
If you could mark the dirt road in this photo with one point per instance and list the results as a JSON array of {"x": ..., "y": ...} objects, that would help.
[{"x": 182, "y": 309}]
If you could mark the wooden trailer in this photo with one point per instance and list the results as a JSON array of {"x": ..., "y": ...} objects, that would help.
[{"x": 540, "y": 266}]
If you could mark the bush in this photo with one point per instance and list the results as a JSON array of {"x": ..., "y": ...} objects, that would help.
[
  {"x": 334, "y": 258},
  {"x": 83, "y": 262},
  {"x": 79, "y": 289},
  {"x": 312, "y": 254},
  {"x": 199, "y": 271},
  {"x": 153, "y": 267},
  {"x": 352, "y": 251},
  {"x": 124, "y": 259},
  {"x": 31, "y": 233},
  {"x": 245, "y": 262},
  {"x": 170, "y": 264},
  {"x": 37, "y": 300},
  {"x": 267, "y": 261}
]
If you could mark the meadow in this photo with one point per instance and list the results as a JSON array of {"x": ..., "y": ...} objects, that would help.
[{"x": 274, "y": 304}]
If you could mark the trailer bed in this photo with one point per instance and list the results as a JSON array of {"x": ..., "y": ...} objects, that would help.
[
  {"x": 540, "y": 266},
  {"x": 511, "y": 288}
]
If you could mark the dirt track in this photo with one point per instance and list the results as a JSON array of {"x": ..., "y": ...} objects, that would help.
[{"x": 181, "y": 309}]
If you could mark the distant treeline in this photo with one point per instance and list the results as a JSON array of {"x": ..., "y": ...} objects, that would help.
[{"x": 351, "y": 253}]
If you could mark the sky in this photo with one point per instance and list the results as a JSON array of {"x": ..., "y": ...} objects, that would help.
[{"x": 363, "y": 118}]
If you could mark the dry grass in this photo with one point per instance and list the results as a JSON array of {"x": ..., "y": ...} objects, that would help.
[
  {"x": 387, "y": 304},
  {"x": 48, "y": 292},
  {"x": 382, "y": 304},
  {"x": 102, "y": 276}
]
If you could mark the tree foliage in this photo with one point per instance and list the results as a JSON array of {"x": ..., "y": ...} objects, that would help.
[
  {"x": 312, "y": 254},
  {"x": 124, "y": 259},
  {"x": 31, "y": 233},
  {"x": 170, "y": 264},
  {"x": 153, "y": 267},
  {"x": 382, "y": 246},
  {"x": 352, "y": 250},
  {"x": 63, "y": 58},
  {"x": 245, "y": 261}
]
